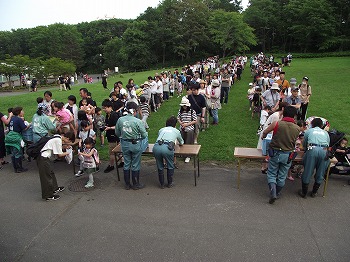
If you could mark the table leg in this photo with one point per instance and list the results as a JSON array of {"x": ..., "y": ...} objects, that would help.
[
  {"x": 194, "y": 171},
  {"x": 326, "y": 182},
  {"x": 239, "y": 172},
  {"x": 198, "y": 165}
]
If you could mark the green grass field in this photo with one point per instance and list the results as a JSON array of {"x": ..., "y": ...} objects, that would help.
[{"x": 330, "y": 99}]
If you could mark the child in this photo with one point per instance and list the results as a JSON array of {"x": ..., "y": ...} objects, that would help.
[
  {"x": 99, "y": 125},
  {"x": 144, "y": 110},
  {"x": 264, "y": 115},
  {"x": 341, "y": 151},
  {"x": 85, "y": 133},
  {"x": 73, "y": 108},
  {"x": 44, "y": 106},
  {"x": 91, "y": 160},
  {"x": 250, "y": 95},
  {"x": 257, "y": 101},
  {"x": 89, "y": 109}
]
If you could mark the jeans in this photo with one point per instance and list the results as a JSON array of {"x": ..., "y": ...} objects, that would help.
[
  {"x": 215, "y": 114},
  {"x": 278, "y": 168}
]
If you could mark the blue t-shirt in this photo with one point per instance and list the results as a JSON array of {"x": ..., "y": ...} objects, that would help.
[{"x": 17, "y": 124}]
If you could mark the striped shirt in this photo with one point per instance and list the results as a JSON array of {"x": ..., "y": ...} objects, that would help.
[
  {"x": 187, "y": 117},
  {"x": 144, "y": 109}
]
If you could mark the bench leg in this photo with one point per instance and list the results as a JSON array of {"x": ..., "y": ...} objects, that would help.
[
  {"x": 198, "y": 165},
  {"x": 326, "y": 182}
]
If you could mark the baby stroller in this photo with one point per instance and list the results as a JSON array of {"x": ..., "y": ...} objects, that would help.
[{"x": 343, "y": 165}]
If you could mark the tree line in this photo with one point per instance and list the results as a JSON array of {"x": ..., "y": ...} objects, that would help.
[{"x": 181, "y": 30}]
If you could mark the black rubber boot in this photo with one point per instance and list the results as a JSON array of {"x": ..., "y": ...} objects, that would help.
[
  {"x": 303, "y": 191},
  {"x": 161, "y": 178},
  {"x": 273, "y": 196},
  {"x": 170, "y": 175},
  {"x": 20, "y": 167},
  {"x": 136, "y": 180},
  {"x": 127, "y": 179},
  {"x": 278, "y": 191},
  {"x": 315, "y": 189},
  {"x": 14, "y": 163}
]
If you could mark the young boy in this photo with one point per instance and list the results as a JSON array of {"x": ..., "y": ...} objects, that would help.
[
  {"x": 99, "y": 125},
  {"x": 144, "y": 109}
]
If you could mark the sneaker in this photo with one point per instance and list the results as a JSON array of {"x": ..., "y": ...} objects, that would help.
[
  {"x": 54, "y": 197},
  {"x": 80, "y": 173},
  {"x": 89, "y": 185},
  {"x": 59, "y": 189},
  {"x": 171, "y": 185},
  {"x": 187, "y": 160},
  {"x": 138, "y": 186}
]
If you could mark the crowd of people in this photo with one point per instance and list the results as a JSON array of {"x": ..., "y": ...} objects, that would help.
[{"x": 204, "y": 89}]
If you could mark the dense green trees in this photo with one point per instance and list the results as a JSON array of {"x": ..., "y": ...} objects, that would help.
[{"x": 187, "y": 30}]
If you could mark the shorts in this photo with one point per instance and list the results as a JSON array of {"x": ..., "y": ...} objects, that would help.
[
  {"x": 111, "y": 146},
  {"x": 99, "y": 132}
]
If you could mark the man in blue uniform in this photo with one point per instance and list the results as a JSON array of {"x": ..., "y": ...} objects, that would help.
[
  {"x": 316, "y": 142},
  {"x": 134, "y": 141},
  {"x": 164, "y": 149}
]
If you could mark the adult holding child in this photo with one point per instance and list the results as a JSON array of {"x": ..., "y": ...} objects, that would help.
[{"x": 164, "y": 150}]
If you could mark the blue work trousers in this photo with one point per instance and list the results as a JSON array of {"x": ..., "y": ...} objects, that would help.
[
  {"x": 161, "y": 152},
  {"x": 314, "y": 159},
  {"x": 132, "y": 153}
]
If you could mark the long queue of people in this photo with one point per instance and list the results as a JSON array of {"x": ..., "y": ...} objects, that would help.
[{"x": 203, "y": 87}]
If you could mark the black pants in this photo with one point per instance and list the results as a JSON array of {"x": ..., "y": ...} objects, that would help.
[
  {"x": 224, "y": 94},
  {"x": 47, "y": 177},
  {"x": 303, "y": 111}
]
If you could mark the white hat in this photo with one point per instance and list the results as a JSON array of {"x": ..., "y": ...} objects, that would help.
[
  {"x": 185, "y": 102},
  {"x": 215, "y": 82},
  {"x": 250, "y": 84},
  {"x": 275, "y": 87}
]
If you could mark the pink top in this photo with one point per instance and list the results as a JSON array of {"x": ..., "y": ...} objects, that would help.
[{"x": 63, "y": 116}]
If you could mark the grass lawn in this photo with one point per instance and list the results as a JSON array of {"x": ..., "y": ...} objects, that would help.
[{"x": 330, "y": 99}]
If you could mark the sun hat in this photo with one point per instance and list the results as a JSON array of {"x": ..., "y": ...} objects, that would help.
[
  {"x": 146, "y": 83},
  {"x": 215, "y": 82},
  {"x": 275, "y": 87},
  {"x": 202, "y": 82},
  {"x": 250, "y": 84},
  {"x": 293, "y": 81},
  {"x": 185, "y": 102}
]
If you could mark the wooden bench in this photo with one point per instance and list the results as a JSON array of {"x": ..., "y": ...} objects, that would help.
[
  {"x": 184, "y": 150},
  {"x": 254, "y": 153}
]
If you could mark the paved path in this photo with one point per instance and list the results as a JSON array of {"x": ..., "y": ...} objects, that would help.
[
  {"x": 211, "y": 222},
  {"x": 21, "y": 92}
]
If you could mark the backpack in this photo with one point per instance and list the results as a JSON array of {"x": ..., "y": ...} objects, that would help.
[
  {"x": 34, "y": 150},
  {"x": 96, "y": 158}
]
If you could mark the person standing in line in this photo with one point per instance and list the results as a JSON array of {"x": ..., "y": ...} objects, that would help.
[
  {"x": 225, "y": 86},
  {"x": 6, "y": 121},
  {"x": 316, "y": 142},
  {"x": 134, "y": 141},
  {"x": 164, "y": 150},
  {"x": 215, "y": 101},
  {"x": 113, "y": 140},
  {"x": 305, "y": 93},
  {"x": 104, "y": 81},
  {"x": 53, "y": 148},
  {"x": 285, "y": 133},
  {"x": 62, "y": 81}
]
